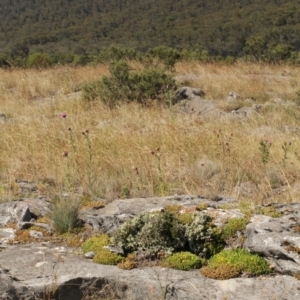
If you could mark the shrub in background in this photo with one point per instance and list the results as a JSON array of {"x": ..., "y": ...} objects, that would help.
[
  {"x": 39, "y": 60},
  {"x": 126, "y": 85},
  {"x": 169, "y": 56}
]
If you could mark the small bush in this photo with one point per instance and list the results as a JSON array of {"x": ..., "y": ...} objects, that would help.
[
  {"x": 105, "y": 257},
  {"x": 232, "y": 227},
  {"x": 95, "y": 243},
  {"x": 125, "y": 85},
  {"x": 203, "y": 237},
  {"x": 241, "y": 259},
  {"x": 39, "y": 60},
  {"x": 183, "y": 261},
  {"x": 64, "y": 214},
  {"x": 153, "y": 233}
]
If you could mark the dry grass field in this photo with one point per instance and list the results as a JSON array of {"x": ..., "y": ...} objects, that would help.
[{"x": 52, "y": 138}]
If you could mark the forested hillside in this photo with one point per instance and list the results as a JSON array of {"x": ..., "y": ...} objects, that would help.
[{"x": 222, "y": 27}]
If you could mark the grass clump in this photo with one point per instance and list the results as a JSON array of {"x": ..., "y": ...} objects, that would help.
[
  {"x": 105, "y": 257},
  {"x": 64, "y": 214},
  {"x": 235, "y": 262},
  {"x": 183, "y": 261},
  {"x": 126, "y": 85},
  {"x": 95, "y": 243}
]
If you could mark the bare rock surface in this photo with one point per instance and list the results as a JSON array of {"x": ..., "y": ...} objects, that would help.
[{"x": 277, "y": 239}]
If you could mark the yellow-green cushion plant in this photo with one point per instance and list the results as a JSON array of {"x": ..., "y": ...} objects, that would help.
[
  {"x": 183, "y": 261},
  {"x": 105, "y": 257},
  {"x": 95, "y": 243},
  {"x": 235, "y": 261}
]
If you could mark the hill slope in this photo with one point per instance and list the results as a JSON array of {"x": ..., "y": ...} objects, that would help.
[{"x": 221, "y": 26}]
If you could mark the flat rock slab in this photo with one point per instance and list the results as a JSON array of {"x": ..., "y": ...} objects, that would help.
[{"x": 36, "y": 271}]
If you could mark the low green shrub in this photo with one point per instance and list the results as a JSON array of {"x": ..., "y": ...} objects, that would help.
[
  {"x": 183, "y": 261},
  {"x": 64, "y": 214},
  {"x": 95, "y": 243},
  {"x": 105, "y": 257},
  {"x": 126, "y": 85},
  {"x": 242, "y": 260}
]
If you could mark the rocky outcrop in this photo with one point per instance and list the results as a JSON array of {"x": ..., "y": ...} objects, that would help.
[
  {"x": 43, "y": 269},
  {"x": 45, "y": 272},
  {"x": 277, "y": 239}
]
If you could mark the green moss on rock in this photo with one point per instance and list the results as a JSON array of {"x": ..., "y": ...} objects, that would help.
[
  {"x": 105, "y": 257},
  {"x": 242, "y": 260},
  {"x": 95, "y": 243},
  {"x": 183, "y": 261},
  {"x": 232, "y": 227}
]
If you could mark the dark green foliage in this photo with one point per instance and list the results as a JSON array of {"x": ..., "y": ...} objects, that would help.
[
  {"x": 39, "y": 60},
  {"x": 203, "y": 237},
  {"x": 114, "y": 53},
  {"x": 153, "y": 233},
  {"x": 220, "y": 27},
  {"x": 126, "y": 85},
  {"x": 183, "y": 261},
  {"x": 168, "y": 56}
]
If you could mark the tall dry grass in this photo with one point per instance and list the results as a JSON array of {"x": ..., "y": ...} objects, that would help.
[{"x": 58, "y": 142}]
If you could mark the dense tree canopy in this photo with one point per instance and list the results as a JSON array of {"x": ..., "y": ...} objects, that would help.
[{"x": 222, "y": 27}]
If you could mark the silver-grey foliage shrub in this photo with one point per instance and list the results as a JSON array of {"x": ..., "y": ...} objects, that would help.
[
  {"x": 151, "y": 232},
  {"x": 204, "y": 238}
]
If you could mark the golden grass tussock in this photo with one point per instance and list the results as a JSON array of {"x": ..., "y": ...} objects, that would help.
[{"x": 53, "y": 138}]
